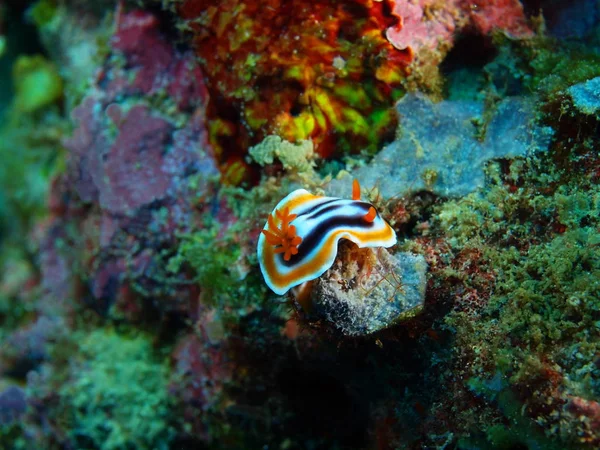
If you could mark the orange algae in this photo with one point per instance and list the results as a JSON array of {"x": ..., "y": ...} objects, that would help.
[{"x": 317, "y": 70}]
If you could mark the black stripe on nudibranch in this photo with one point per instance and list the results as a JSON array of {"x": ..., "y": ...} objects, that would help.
[
  {"x": 321, "y": 212},
  {"x": 316, "y": 208},
  {"x": 315, "y": 238}
]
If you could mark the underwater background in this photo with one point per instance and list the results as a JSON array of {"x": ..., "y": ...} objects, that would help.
[{"x": 145, "y": 143}]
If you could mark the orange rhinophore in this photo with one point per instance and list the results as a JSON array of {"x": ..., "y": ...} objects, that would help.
[
  {"x": 370, "y": 215},
  {"x": 355, "y": 190}
]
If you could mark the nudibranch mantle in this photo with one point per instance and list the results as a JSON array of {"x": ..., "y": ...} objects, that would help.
[{"x": 310, "y": 227}]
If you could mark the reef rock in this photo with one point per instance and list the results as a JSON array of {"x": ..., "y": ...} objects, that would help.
[
  {"x": 586, "y": 96},
  {"x": 443, "y": 147},
  {"x": 367, "y": 290},
  {"x": 139, "y": 160}
]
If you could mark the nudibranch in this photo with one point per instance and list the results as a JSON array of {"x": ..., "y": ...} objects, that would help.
[{"x": 300, "y": 239}]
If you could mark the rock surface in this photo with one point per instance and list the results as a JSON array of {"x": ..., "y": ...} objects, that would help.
[{"x": 367, "y": 290}]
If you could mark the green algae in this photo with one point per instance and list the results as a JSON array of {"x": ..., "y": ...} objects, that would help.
[
  {"x": 30, "y": 142},
  {"x": 77, "y": 47},
  {"x": 542, "y": 64},
  {"x": 12, "y": 437},
  {"x": 37, "y": 83},
  {"x": 31, "y": 156},
  {"x": 212, "y": 260},
  {"x": 221, "y": 266},
  {"x": 117, "y": 396},
  {"x": 519, "y": 431},
  {"x": 540, "y": 242},
  {"x": 16, "y": 270},
  {"x": 43, "y": 12},
  {"x": 555, "y": 69},
  {"x": 222, "y": 257}
]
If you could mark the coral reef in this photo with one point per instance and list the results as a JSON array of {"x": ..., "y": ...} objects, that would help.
[
  {"x": 202, "y": 369},
  {"x": 542, "y": 319},
  {"x": 426, "y": 26},
  {"x": 298, "y": 72},
  {"x": 144, "y": 144},
  {"x": 296, "y": 158}
]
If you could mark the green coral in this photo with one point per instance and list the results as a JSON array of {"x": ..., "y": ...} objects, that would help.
[{"x": 117, "y": 397}]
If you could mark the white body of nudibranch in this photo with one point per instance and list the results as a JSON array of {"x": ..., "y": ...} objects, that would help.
[{"x": 299, "y": 241}]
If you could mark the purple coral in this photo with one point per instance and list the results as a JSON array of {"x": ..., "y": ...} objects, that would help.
[
  {"x": 133, "y": 170},
  {"x": 13, "y": 404},
  {"x": 25, "y": 348},
  {"x": 139, "y": 143}
]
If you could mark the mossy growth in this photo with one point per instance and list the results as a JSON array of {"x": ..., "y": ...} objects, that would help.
[
  {"x": 520, "y": 431},
  {"x": 223, "y": 257},
  {"x": 557, "y": 68},
  {"x": 222, "y": 269},
  {"x": 541, "y": 64},
  {"x": 536, "y": 231},
  {"x": 43, "y": 12},
  {"x": 13, "y": 310},
  {"x": 116, "y": 395},
  {"x": 31, "y": 156}
]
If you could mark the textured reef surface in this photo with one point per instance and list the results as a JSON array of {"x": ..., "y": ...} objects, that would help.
[{"x": 144, "y": 146}]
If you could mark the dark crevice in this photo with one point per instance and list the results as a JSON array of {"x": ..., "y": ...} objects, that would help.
[{"x": 470, "y": 51}]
